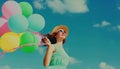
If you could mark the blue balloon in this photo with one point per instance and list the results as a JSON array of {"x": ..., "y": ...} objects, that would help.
[
  {"x": 18, "y": 23},
  {"x": 36, "y": 22}
]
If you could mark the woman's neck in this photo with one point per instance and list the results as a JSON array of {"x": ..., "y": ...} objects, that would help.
[{"x": 60, "y": 42}]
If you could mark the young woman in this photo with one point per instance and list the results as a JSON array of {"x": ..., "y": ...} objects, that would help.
[{"x": 56, "y": 57}]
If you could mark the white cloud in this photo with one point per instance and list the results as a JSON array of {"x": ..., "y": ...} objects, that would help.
[
  {"x": 105, "y": 23},
  {"x": 118, "y": 27},
  {"x": 5, "y": 67},
  {"x": 63, "y": 6},
  {"x": 104, "y": 65},
  {"x": 38, "y": 4},
  {"x": 76, "y": 6},
  {"x": 56, "y": 6},
  {"x": 96, "y": 25},
  {"x": 74, "y": 60},
  {"x": 102, "y": 24},
  {"x": 115, "y": 28},
  {"x": 118, "y": 8}
]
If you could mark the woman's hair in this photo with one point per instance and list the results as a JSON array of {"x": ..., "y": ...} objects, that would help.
[{"x": 52, "y": 38}]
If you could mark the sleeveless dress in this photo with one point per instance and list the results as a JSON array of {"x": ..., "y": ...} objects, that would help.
[{"x": 59, "y": 60}]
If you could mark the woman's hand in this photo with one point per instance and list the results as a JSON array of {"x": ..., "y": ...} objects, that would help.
[
  {"x": 47, "y": 41},
  {"x": 49, "y": 52}
]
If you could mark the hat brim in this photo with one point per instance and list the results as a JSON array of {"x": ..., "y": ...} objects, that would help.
[{"x": 65, "y": 28}]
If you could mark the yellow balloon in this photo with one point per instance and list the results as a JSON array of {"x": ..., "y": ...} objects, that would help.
[
  {"x": 21, "y": 34},
  {"x": 0, "y": 42},
  {"x": 10, "y": 41}
]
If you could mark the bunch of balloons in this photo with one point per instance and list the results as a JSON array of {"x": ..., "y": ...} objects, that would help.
[{"x": 19, "y": 27}]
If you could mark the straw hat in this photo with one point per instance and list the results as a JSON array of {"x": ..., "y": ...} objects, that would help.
[{"x": 65, "y": 28}]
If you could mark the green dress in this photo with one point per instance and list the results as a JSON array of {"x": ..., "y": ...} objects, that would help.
[{"x": 59, "y": 60}]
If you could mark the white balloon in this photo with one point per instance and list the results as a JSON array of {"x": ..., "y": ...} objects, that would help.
[{"x": 2, "y": 21}]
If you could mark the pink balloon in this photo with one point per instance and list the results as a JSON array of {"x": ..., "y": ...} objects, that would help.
[
  {"x": 4, "y": 29},
  {"x": 10, "y": 8},
  {"x": 2, "y": 21},
  {"x": 39, "y": 36}
]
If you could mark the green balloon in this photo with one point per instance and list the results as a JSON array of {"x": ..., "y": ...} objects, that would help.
[
  {"x": 29, "y": 42},
  {"x": 36, "y": 22},
  {"x": 27, "y": 9},
  {"x": 18, "y": 23}
]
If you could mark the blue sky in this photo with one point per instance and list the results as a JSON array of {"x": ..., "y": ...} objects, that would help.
[{"x": 93, "y": 41}]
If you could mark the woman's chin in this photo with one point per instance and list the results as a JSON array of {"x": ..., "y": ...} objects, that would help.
[{"x": 62, "y": 38}]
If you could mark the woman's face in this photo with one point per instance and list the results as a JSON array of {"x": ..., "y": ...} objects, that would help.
[{"x": 61, "y": 34}]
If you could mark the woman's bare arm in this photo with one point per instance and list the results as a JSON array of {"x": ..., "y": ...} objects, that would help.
[
  {"x": 48, "y": 56},
  {"x": 49, "y": 52}
]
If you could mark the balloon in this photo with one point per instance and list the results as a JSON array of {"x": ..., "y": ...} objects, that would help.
[
  {"x": 29, "y": 42},
  {"x": 10, "y": 8},
  {"x": 18, "y": 23},
  {"x": 27, "y": 9},
  {"x": 0, "y": 42},
  {"x": 21, "y": 34},
  {"x": 2, "y": 21},
  {"x": 9, "y": 42},
  {"x": 4, "y": 29},
  {"x": 39, "y": 37},
  {"x": 3, "y": 26},
  {"x": 36, "y": 22}
]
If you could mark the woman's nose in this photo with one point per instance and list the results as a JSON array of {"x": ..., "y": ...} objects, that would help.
[{"x": 63, "y": 33}]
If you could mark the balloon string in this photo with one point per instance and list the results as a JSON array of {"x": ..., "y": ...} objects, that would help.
[
  {"x": 24, "y": 45},
  {"x": 2, "y": 54}
]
